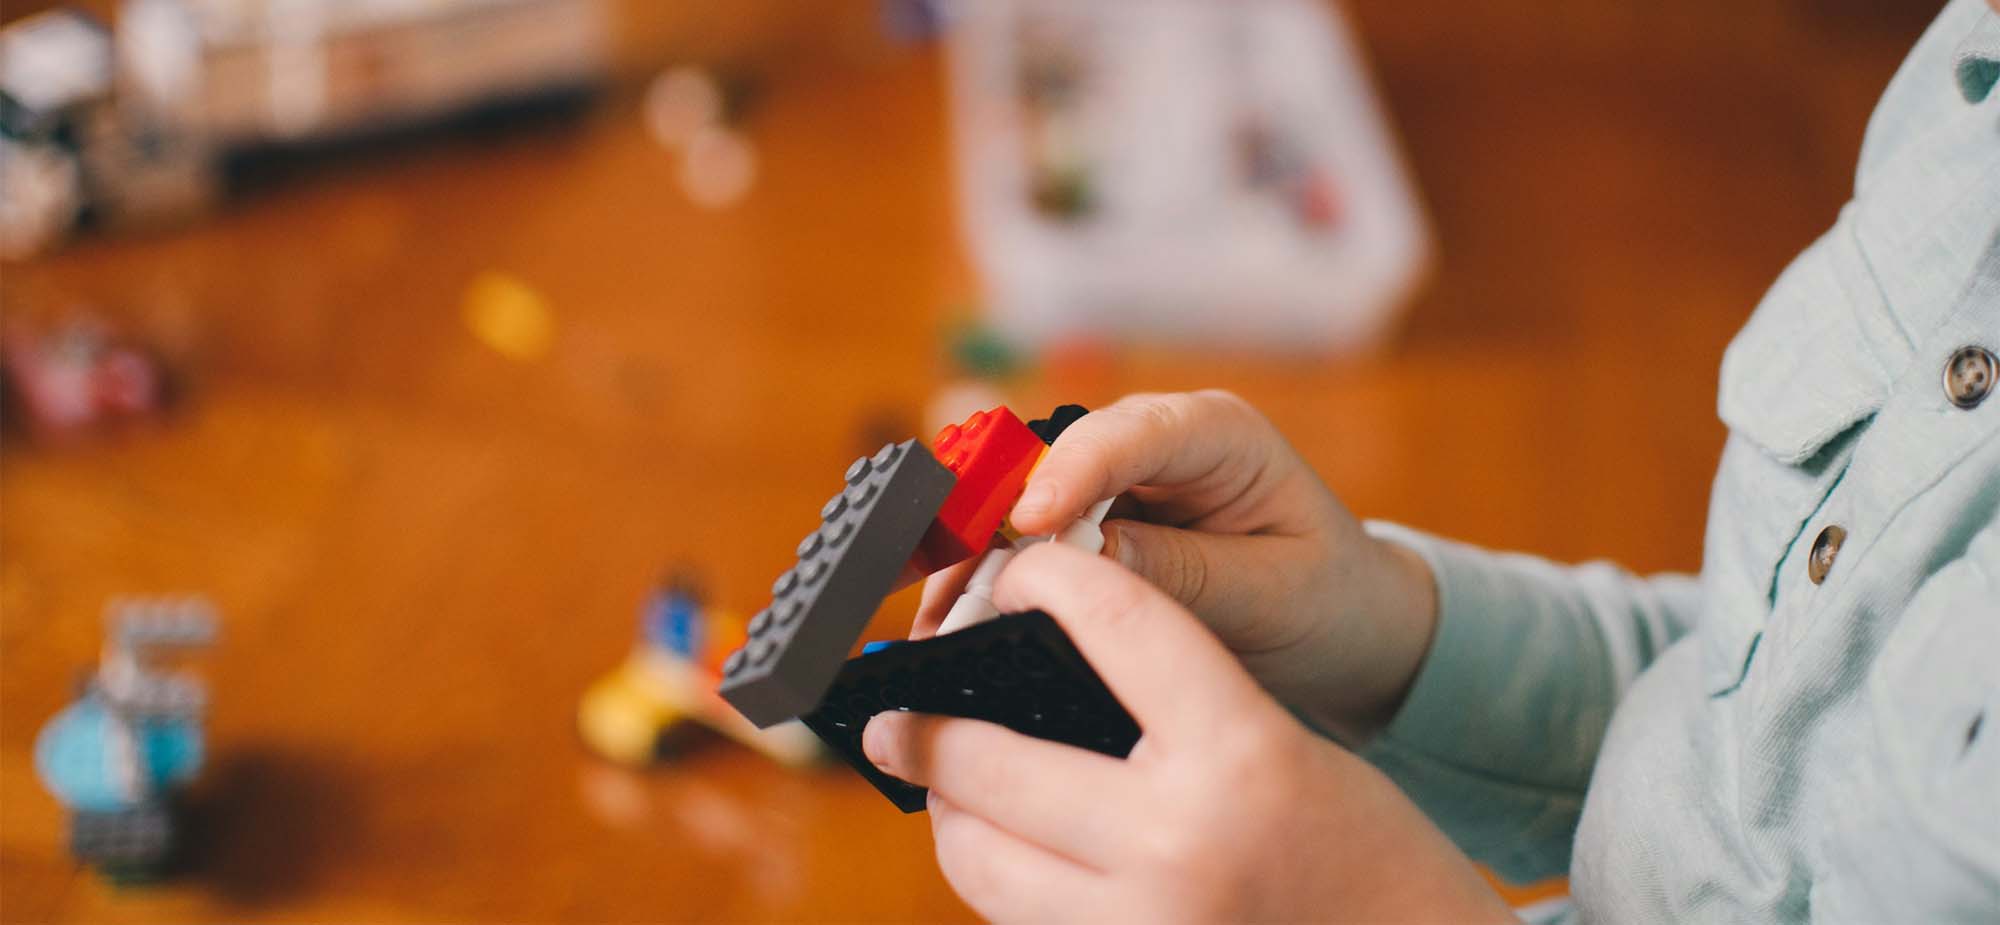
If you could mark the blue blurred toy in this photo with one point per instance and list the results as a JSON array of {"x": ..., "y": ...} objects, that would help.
[{"x": 117, "y": 756}]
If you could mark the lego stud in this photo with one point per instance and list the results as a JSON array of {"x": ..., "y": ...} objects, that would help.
[
  {"x": 861, "y": 494},
  {"x": 815, "y": 570},
  {"x": 859, "y": 469},
  {"x": 887, "y": 454},
  {"x": 946, "y": 439},
  {"x": 760, "y": 623},
  {"x": 835, "y": 506},
  {"x": 736, "y": 661},
  {"x": 836, "y": 533},
  {"x": 787, "y": 613},
  {"x": 811, "y": 545},
  {"x": 786, "y": 583}
]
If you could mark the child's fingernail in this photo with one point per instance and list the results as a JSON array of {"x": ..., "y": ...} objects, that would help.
[
  {"x": 1119, "y": 548},
  {"x": 1037, "y": 498},
  {"x": 875, "y": 739}
]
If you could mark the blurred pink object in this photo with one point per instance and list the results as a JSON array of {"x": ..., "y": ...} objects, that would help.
[{"x": 77, "y": 376}]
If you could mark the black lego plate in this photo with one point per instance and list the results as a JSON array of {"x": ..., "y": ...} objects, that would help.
[{"x": 1018, "y": 670}]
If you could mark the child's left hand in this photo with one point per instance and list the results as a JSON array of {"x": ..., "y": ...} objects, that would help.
[{"x": 1228, "y": 808}]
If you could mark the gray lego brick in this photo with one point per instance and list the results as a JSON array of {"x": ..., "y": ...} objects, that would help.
[
  {"x": 162, "y": 622},
  {"x": 821, "y": 605},
  {"x": 139, "y": 837},
  {"x": 168, "y": 697}
]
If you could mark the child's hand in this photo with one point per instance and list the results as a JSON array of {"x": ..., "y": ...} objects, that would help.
[
  {"x": 1233, "y": 524},
  {"x": 1227, "y": 810}
]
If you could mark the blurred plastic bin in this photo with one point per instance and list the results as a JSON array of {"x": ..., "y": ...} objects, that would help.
[{"x": 1179, "y": 169}]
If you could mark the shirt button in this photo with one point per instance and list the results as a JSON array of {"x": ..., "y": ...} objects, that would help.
[
  {"x": 1968, "y": 377},
  {"x": 1823, "y": 552}
]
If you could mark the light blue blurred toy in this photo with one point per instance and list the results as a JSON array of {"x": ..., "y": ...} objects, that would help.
[{"x": 117, "y": 756}]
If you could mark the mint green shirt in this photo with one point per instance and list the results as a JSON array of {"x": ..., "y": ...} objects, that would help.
[{"x": 1771, "y": 740}]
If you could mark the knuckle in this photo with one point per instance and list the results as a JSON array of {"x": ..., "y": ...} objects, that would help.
[
  {"x": 1226, "y": 408},
  {"x": 1225, "y": 400},
  {"x": 1167, "y": 844},
  {"x": 1167, "y": 414},
  {"x": 1092, "y": 447},
  {"x": 1149, "y": 416},
  {"x": 1131, "y": 401}
]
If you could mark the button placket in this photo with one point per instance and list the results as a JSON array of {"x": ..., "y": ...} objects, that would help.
[
  {"x": 1927, "y": 410},
  {"x": 1819, "y": 571}
]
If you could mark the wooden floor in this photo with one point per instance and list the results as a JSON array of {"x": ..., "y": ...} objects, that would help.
[{"x": 425, "y": 550}]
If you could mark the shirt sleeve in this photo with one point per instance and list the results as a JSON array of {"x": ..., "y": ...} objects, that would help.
[{"x": 1500, "y": 729}]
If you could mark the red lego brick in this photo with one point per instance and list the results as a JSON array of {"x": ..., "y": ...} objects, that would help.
[{"x": 991, "y": 454}]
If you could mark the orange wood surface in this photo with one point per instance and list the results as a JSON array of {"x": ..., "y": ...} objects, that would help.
[{"x": 424, "y": 550}]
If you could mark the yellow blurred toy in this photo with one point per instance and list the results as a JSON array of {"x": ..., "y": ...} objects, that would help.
[{"x": 671, "y": 677}]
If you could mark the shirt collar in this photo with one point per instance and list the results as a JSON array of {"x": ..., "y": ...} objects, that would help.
[{"x": 1978, "y": 60}]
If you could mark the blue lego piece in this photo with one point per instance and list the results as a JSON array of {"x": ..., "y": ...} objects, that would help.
[
  {"x": 72, "y": 760},
  {"x": 673, "y": 622},
  {"x": 870, "y": 648}
]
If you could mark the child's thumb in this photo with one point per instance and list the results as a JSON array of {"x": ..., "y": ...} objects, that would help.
[
  {"x": 1231, "y": 582},
  {"x": 1169, "y": 558}
]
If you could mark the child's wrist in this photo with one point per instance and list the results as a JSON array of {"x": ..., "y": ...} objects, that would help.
[{"x": 1387, "y": 632}]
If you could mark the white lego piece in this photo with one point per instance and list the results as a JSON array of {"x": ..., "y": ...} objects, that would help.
[
  {"x": 975, "y": 604},
  {"x": 121, "y": 753},
  {"x": 1086, "y": 532},
  {"x": 136, "y": 627}
]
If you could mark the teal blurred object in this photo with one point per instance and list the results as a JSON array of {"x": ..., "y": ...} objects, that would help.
[
  {"x": 117, "y": 757},
  {"x": 73, "y": 757}
]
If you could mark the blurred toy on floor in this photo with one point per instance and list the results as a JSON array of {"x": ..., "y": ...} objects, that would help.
[
  {"x": 671, "y": 678},
  {"x": 55, "y": 70},
  {"x": 151, "y": 123},
  {"x": 117, "y": 757},
  {"x": 75, "y": 377}
]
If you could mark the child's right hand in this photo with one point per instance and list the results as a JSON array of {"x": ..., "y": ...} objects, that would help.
[{"x": 1232, "y": 523}]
